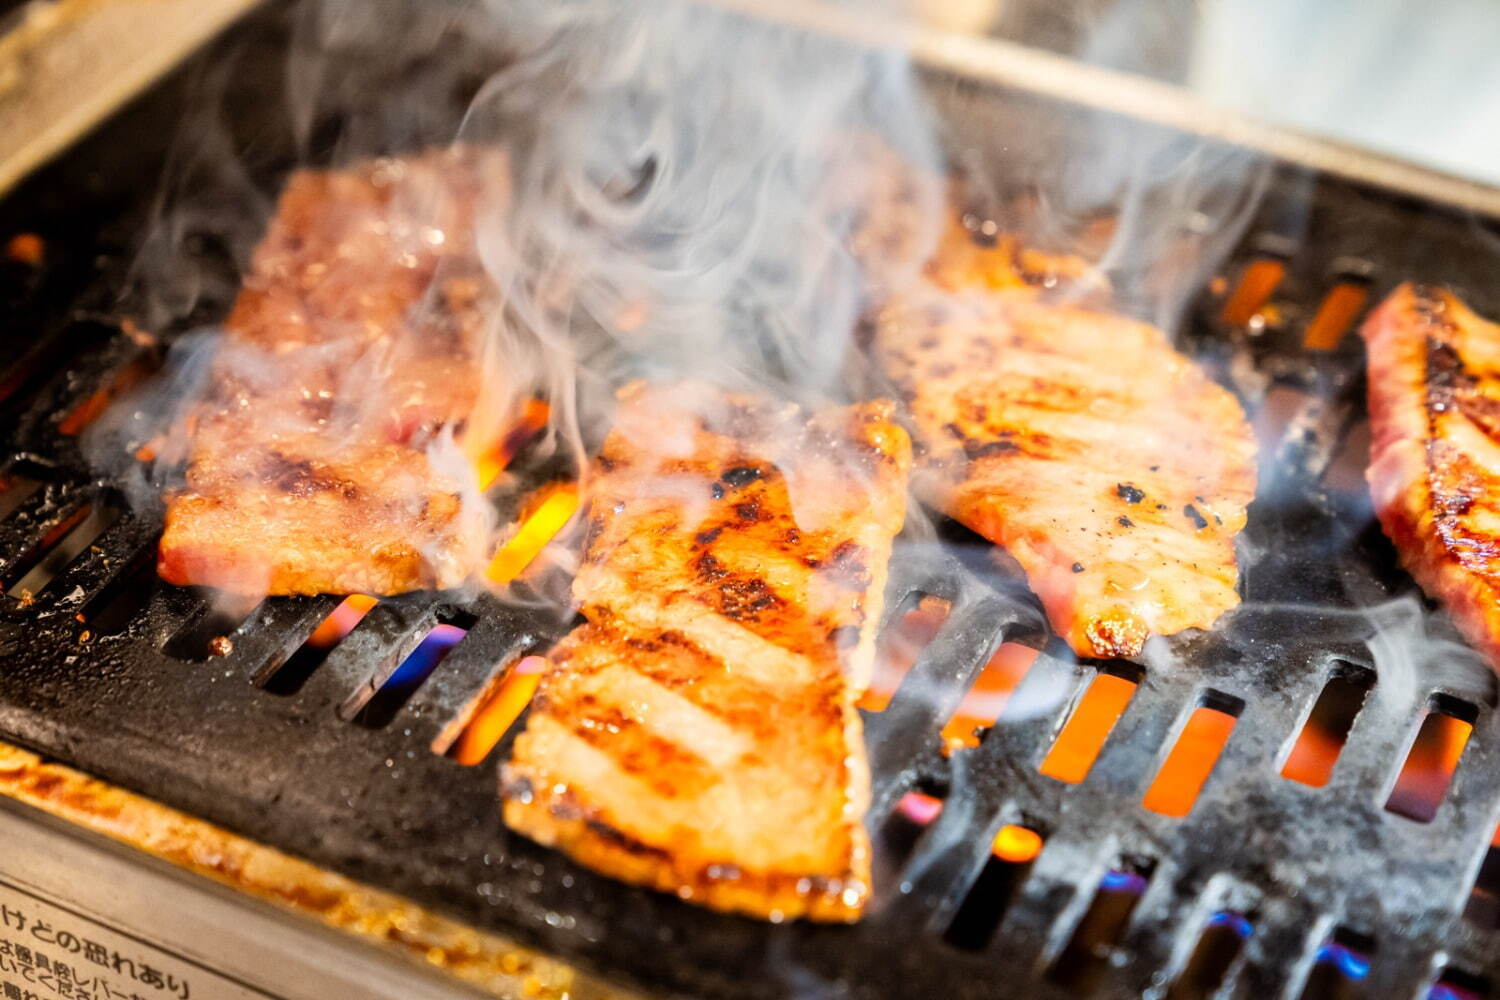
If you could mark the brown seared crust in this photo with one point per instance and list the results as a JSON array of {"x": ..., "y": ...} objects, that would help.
[
  {"x": 1434, "y": 400},
  {"x": 1106, "y": 463},
  {"x": 699, "y": 735},
  {"x": 352, "y": 344}
]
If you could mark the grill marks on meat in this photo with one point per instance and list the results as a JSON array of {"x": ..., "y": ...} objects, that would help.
[
  {"x": 351, "y": 347},
  {"x": 1434, "y": 402},
  {"x": 1105, "y": 462},
  {"x": 699, "y": 734}
]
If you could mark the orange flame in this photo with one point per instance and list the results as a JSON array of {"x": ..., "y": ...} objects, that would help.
[
  {"x": 499, "y": 707},
  {"x": 553, "y": 511}
]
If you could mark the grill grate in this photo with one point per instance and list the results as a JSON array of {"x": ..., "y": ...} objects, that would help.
[{"x": 1286, "y": 883}]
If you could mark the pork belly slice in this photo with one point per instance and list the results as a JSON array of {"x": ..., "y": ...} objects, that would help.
[
  {"x": 322, "y": 457},
  {"x": 699, "y": 734},
  {"x": 1106, "y": 463},
  {"x": 1434, "y": 399}
]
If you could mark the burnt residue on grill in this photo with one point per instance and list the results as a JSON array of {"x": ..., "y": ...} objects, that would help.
[{"x": 376, "y": 804}]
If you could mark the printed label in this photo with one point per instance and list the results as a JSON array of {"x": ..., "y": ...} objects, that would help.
[{"x": 49, "y": 950}]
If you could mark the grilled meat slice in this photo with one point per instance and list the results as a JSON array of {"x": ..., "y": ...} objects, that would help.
[
  {"x": 699, "y": 734},
  {"x": 320, "y": 458},
  {"x": 1106, "y": 463},
  {"x": 1434, "y": 397}
]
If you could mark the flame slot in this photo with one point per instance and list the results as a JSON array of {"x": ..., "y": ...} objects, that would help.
[
  {"x": 1194, "y": 755},
  {"x": 1082, "y": 962},
  {"x": 381, "y": 708},
  {"x": 895, "y": 840},
  {"x": 1256, "y": 286},
  {"x": 494, "y": 712},
  {"x": 288, "y": 677},
  {"x": 1483, "y": 907},
  {"x": 1336, "y": 314},
  {"x": 211, "y": 633},
  {"x": 1011, "y": 854},
  {"x": 1432, "y": 759},
  {"x": 1223, "y": 938},
  {"x": 1456, "y": 984},
  {"x": 1089, "y": 725},
  {"x": 132, "y": 374},
  {"x": 914, "y": 625},
  {"x": 65, "y": 542},
  {"x": 529, "y": 425},
  {"x": 14, "y": 491},
  {"x": 1341, "y": 965},
  {"x": 1322, "y": 738},
  {"x": 987, "y": 698}
]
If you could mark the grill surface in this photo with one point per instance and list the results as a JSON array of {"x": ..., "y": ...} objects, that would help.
[{"x": 377, "y": 804}]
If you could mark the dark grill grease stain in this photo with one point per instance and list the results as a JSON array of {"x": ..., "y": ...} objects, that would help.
[{"x": 284, "y": 771}]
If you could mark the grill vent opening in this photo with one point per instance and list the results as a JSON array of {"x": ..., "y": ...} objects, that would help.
[
  {"x": 988, "y": 695},
  {"x": 1483, "y": 907},
  {"x": 1340, "y": 967},
  {"x": 1338, "y": 310},
  {"x": 894, "y": 840},
  {"x": 287, "y": 677},
  {"x": 491, "y": 715},
  {"x": 1258, "y": 282},
  {"x": 204, "y": 636},
  {"x": 1005, "y": 869},
  {"x": 54, "y": 551},
  {"x": 1089, "y": 725},
  {"x": 1194, "y": 755},
  {"x": 1081, "y": 965},
  {"x": 1313, "y": 756},
  {"x": 1223, "y": 938},
  {"x": 1423, "y": 782},
  {"x": 1456, "y": 984},
  {"x": 14, "y": 491},
  {"x": 413, "y": 671}
]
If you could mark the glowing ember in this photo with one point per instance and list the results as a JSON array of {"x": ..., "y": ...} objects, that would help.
[
  {"x": 498, "y": 709},
  {"x": 1256, "y": 285},
  {"x": 1017, "y": 844},
  {"x": 26, "y": 248},
  {"x": 1083, "y": 736},
  {"x": 919, "y": 808},
  {"x": 987, "y": 698},
  {"x": 553, "y": 512}
]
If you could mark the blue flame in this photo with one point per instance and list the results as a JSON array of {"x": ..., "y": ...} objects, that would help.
[
  {"x": 1350, "y": 963},
  {"x": 1241, "y": 927},
  {"x": 426, "y": 656},
  {"x": 1118, "y": 881}
]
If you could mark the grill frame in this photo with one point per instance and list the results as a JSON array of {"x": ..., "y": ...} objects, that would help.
[{"x": 378, "y": 806}]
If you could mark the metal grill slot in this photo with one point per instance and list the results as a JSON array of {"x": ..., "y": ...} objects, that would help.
[
  {"x": 14, "y": 491},
  {"x": 1456, "y": 984},
  {"x": 1336, "y": 314},
  {"x": 1482, "y": 908},
  {"x": 211, "y": 633},
  {"x": 1082, "y": 965},
  {"x": 1089, "y": 725},
  {"x": 895, "y": 840},
  {"x": 1341, "y": 966},
  {"x": 52, "y": 557},
  {"x": 1194, "y": 755},
  {"x": 1014, "y": 849},
  {"x": 382, "y": 704},
  {"x": 1223, "y": 939},
  {"x": 1423, "y": 781},
  {"x": 989, "y": 696},
  {"x": 288, "y": 677},
  {"x": 1256, "y": 286},
  {"x": 493, "y": 713},
  {"x": 1313, "y": 756}
]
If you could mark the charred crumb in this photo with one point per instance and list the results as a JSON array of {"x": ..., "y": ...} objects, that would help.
[
  {"x": 1125, "y": 522},
  {"x": 1155, "y": 468},
  {"x": 605, "y": 463},
  {"x": 792, "y": 536},
  {"x": 1129, "y": 493},
  {"x": 1191, "y": 513},
  {"x": 220, "y": 645},
  {"x": 741, "y": 476},
  {"x": 1078, "y": 567},
  {"x": 984, "y": 449}
]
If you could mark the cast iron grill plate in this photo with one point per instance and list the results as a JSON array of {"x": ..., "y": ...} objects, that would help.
[{"x": 376, "y": 803}]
